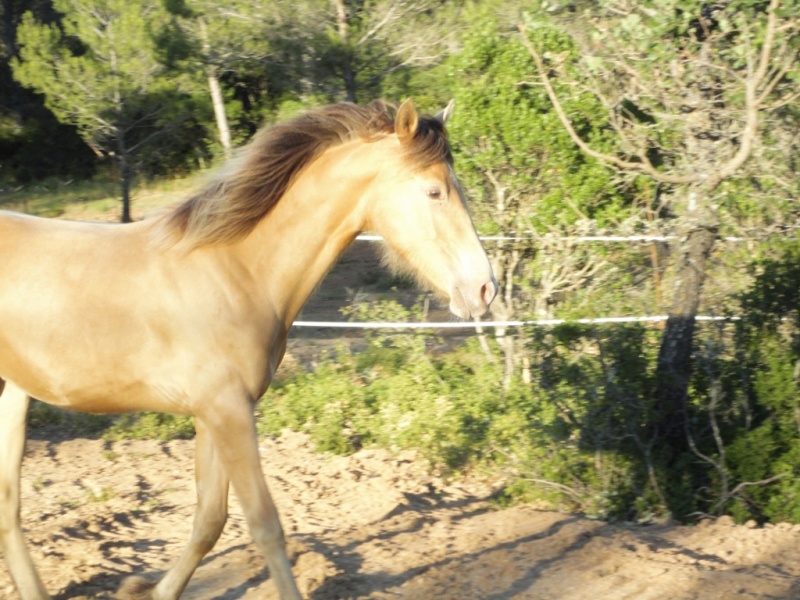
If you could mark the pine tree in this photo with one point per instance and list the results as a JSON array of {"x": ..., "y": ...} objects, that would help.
[{"x": 100, "y": 72}]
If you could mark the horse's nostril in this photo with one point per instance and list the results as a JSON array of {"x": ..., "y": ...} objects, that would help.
[{"x": 488, "y": 292}]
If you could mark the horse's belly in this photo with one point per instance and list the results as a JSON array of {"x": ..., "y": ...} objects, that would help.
[
  {"x": 90, "y": 367},
  {"x": 101, "y": 391}
]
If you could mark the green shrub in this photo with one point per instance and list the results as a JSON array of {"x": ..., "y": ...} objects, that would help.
[
  {"x": 46, "y": 416},
  {"x": 149, "y": 426},
  {"x": 563, "y": 439}
]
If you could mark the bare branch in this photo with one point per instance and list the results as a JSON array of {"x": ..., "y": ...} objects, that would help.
[
  {"x": 777, "y": 77},
  {"x": 788, "y": 99},
  {"x": 643, "y": 167},
  {"x": 746, "y": 484},
  {"x": 766, "y": 48},
  {"x": 564, "y": 489},
  {"x": 752, "y": 103}
]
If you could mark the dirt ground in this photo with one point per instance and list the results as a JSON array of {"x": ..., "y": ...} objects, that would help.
[{"x": 371, "y": 525}]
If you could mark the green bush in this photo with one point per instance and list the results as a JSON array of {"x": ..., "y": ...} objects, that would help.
[
  {"x": 582, "y": 434},
  {"x": 46, "y": 416},
  {"x": 764, "y": 452},
  {"x": 134, "y": 426},
  {"x": 562, "y": 439},
  {"x": 150, "y": 426}
]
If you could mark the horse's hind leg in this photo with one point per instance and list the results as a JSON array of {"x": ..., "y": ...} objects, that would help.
[
  {"x": 209, "y": 520},
  {"x": 13, "y": 412}
]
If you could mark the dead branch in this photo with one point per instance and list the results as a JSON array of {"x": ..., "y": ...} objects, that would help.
[
  {"x": 645, "y": 166},
  {"x": 767, "y": 66}
]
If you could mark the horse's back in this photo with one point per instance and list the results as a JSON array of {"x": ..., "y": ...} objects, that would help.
[
  {"x": 56, "y": 261},
  {"x": 19, "y": 231}
]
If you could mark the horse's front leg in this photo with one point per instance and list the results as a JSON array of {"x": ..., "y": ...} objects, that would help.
[
  {"x": 13, "y": 411},
  {"x": 232, "y": 425},
  {"x": 209, "y": 519}
]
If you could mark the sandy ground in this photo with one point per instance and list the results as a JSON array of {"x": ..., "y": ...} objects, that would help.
[{"x": 371, "y": 525}]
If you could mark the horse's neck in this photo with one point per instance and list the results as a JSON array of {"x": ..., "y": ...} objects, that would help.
[{"x": 296, "y": 244}]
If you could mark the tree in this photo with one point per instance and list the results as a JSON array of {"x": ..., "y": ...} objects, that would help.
[
  {"x": 364, "y": 42},
  {"x": 692, "y": 115},
  {"x": 527, "y": 176},
  {"x": 33, "y": 144},
  {"x": 227, "y": 41},
  {"x": 99, "y": 71}
]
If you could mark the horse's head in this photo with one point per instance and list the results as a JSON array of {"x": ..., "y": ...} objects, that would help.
[{"x": 421, "y": 213}]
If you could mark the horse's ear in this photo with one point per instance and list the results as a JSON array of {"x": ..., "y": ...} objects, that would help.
[
  {"x": 444, "y": 116},
  {"x": 406, "y": 121}
]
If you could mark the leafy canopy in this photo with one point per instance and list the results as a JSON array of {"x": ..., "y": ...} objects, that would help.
[
  {"x": 99, "y": 68},
  {"x": 512, "y": 138}
]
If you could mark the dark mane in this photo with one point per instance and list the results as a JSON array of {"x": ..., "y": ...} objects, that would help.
[{"x": 245, "y": 189}]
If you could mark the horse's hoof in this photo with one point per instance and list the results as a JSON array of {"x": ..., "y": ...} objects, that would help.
[{"x": 136, "y": 588}]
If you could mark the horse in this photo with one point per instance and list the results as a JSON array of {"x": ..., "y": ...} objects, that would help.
[{"x": 188, "y": 312}]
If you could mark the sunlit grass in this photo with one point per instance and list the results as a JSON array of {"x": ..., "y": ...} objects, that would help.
[{"x": 97, "y": 199}]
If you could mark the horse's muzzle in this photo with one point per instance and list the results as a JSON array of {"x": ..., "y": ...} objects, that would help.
[{"x": 469, "y": 302}]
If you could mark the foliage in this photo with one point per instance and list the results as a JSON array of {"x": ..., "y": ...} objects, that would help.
[
  {"x": 44, "y": 416},
  {"x": 526, "y": 176},
  {"x": 690, "y": 115},
  {"x": 554, "y": 440},
  {"x": 766, "y": 445},
  {"x": 538, "y": 165},
  {"x": 97, "y": 67},
  {"x": 139, "y": 426},
  {"x": 33, "y": 144},
  {"x": 148, "y": 426},
  {"x": 38, "y": 146},
  {"x": 581, "y": 435}
]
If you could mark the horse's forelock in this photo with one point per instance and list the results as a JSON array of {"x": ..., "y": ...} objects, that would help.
[{"x": 430, "y": 144}]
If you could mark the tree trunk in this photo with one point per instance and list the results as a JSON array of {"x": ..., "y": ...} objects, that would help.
[
  {"x": 219, "y": 112},
  {"x": 217, "y": 101},
  {"x": 674, "y": 367},
  {"x": 341, "y": 18},
  {"x": 350, "y": 86},
  {"x": 348, "y": 74},
  {"x": 124, "y": 178}
]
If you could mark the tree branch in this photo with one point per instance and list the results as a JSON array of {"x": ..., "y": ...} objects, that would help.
[
  {"x": 766, "y": 48},
  {"x": 642, "y": 167},
  {"x": 746, "y": 484},
  {"x": 778, "y": 77},
  {"x": 752, "y": 103}
]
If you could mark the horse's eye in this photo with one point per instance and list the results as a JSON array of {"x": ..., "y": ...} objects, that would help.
[{"x": 434, "y": 193}]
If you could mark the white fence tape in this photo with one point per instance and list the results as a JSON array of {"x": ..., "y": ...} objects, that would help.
[
  {"x": 534, "y": 323},
  {"x": 477, "y": 324}
]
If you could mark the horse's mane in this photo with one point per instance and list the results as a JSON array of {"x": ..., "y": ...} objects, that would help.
[{"x": 248, "y": 186}]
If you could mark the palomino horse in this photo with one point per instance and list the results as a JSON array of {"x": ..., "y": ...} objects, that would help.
[{"x": 188, "y": 313}]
